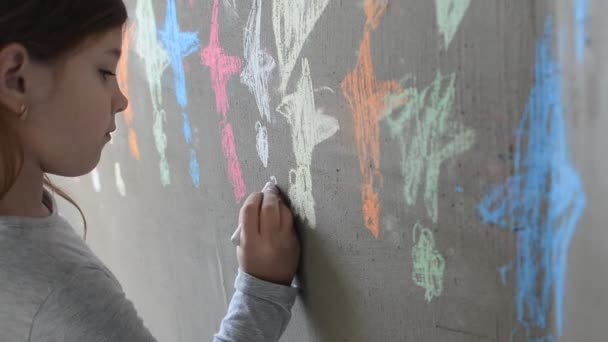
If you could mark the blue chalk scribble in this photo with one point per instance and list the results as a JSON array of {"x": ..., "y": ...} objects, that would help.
[
  {"x": 459, "y": 189},
  {"x": 581, "y": 17},
  {"x": 194, "y": 168},
  {"x": 504, "y": 270},
  {"x": 187, "y": 129},
  {"x": 179, "y": 45},
  {"x": 542, "y": 202}
]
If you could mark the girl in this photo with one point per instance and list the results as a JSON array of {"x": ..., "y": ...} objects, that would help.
[{"x": 58, "y": 101}]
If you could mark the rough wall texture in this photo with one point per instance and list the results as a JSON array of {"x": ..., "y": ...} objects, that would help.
[{"x": 441, "y": 155}]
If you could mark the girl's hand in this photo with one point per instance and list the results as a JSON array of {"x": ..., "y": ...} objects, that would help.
[{"x": 269, "y": 248}]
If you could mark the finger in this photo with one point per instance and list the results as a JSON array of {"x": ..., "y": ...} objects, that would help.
[
  {"x": 286, "y": 219},
  {"x": 249, "y": 217},
  {"x": 270, "y": 214}
]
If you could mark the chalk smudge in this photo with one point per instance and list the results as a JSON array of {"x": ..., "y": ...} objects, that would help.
[
  {"x": 96, "y": 180},
  {"x": 231, "y": 5},
  {"x": 179, "y": 45},
  {"x": 120, "y": 183},
  {"x": 365, "y": 97},
  {"x": 449, "y": 16},
  {"x": 542, "y": 202},
  {"x": 257, "y": 73},
  {"x": 293, "y": 21},
  {"x": 504, "y": 271},
  {"x": 309, "y": 127},
  {"x": 428, "y": 264},
  {"x": 222, "y": 67},
  {"x": 262, "y": 142},
  {"x": 123, "y": 82},
  {"x": 155, "y": 60},
  {"x": 427, "y": 137},
  {"x": 581, "y": 18}
]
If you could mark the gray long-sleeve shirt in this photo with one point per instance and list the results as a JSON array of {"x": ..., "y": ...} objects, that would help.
[{"x": 54, "y": 288}]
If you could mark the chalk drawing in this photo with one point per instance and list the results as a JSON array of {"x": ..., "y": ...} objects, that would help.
[
  {"x": 222, "y": 67},
  {"x": 156, "y": 60},
  {"x": 259, "y": 63},
  {"x": 179, "y": 45},
  {"x": 293, "y": 21},
  {"x": 220, "y": 269},
  {"x": 231, "y": 5},
  {"x": 542, "y": 202},
  {"x": 256, "y": 74},
  {"x": 581, "y": 18},
  {"x": 427, "y": 137},
  {"x": 504, "y": 272},
  {"x": 123, "y": 82},
  {"x": 449, "y": 16},
  {"x": 262, "y": 142},
  {"x": 428, "y": 263},
  {"x": 309, "y": 127},
  {"x": 96, "y": 181},
  {"x": 459, "y": 189},
  {"x": 234, "y": 168},
  {"x": 120, "y": 183},
  {"x": 365, "y": 97}
]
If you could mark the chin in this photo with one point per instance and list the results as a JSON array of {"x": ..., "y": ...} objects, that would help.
[
  {"x": 89, "y": 167},
  {"x": 76, "y": 170}
]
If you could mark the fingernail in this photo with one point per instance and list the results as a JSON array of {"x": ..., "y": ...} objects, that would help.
[{"x": 268, "y": 186}]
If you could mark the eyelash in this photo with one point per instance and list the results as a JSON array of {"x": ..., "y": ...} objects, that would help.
[{"x": 105, "y": 73}]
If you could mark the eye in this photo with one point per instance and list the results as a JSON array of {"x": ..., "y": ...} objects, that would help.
[{"x": 105, "y": 73}]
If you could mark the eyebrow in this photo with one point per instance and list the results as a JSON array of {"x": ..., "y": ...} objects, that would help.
[{"x": 115, "y": 52}]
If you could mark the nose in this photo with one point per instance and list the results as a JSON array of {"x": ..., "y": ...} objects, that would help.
[{"x": 122, "y": 103}]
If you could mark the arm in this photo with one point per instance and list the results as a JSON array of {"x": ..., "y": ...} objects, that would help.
[
  {"x": 259, "y": 311},
  {"x": 268, "y": 253}
]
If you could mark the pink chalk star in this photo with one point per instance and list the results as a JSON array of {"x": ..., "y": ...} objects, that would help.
[{"x": 222, "y": 67}]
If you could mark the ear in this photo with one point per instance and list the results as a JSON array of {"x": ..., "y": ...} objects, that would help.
[{"x": 14, "y": 62}]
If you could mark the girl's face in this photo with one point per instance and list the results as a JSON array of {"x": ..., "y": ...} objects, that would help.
[{"x": 72, "y": 113}]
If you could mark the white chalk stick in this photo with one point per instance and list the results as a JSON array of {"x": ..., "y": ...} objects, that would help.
[{"x": 236, "y": 237}]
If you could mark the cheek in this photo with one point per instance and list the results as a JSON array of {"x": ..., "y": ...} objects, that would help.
[
  {"x": 87, "y": 99},
  {"x": 88, "y": 111},
  {"x": 68, "y": 139}
]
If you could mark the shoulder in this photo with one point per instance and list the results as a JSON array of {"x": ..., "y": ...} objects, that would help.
[
  {"x": 84, "y": 288},
  {"x": 47, "y": 258},
  {"x": 88, "y": 305}
]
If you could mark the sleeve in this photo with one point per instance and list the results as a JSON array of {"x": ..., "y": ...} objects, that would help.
[
  {"x": 258, "y": 311},
  {"x": 90, "y": 306}
]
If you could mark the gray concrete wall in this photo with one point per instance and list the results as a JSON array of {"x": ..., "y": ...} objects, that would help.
[{"x": 444, "y": 158}]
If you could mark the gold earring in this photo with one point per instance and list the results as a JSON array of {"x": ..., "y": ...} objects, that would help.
[{"x": 23, "y": 112}]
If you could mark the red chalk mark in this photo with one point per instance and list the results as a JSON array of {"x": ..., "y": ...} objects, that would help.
[
  {"x": 234, "y": 168},
  {"x": 222, "y": 67},
  {"x": 123, "y": 82},
  {"x": 366, "y": 98}
]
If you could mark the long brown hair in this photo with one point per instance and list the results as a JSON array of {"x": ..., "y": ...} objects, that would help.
[{"x": 50, "y": 30}]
